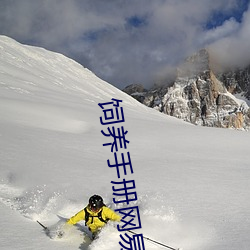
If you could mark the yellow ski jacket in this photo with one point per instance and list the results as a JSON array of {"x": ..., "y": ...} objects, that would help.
[{"x": 94, "y": 223}]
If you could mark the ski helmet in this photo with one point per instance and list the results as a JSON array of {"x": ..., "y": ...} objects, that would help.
[{"x": 95, "y": 202}]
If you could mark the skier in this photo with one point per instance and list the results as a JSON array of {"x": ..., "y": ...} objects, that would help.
[{"x": 95, "y": 214}]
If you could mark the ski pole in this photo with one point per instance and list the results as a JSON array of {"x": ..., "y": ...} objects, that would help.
[
  {"x": 159, "y": 243},
  {"x": 45, "y": 228}
]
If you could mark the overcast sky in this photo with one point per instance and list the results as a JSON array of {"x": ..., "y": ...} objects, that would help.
[{"x": 131, "y": 41}]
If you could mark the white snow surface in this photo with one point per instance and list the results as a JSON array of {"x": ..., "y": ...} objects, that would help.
[{"x": 193, "y": 183}]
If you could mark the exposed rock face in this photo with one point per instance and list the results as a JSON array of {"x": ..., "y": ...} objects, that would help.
[
  {"x": 199, "y": 97},
  {"x": 237, "y": 81},
  {"x": 137, "y": 91}
]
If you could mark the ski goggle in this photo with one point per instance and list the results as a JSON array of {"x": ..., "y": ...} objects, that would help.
[{"x": 94, "y": 208}]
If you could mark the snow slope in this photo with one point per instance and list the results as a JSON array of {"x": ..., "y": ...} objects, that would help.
[{"x": 193, "y": 183}]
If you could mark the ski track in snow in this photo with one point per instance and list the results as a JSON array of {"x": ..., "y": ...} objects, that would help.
[
  {"x": 32, "y": 204},
  {"x": 40, "y": 204},
  {"x": 43, "y": 117},
  {"x": 37, "y": 205}
]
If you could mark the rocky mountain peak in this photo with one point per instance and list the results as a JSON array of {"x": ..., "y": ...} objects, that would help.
[
  {"x": 196, "y": 64},
  {"x": 200, "y": 96}
]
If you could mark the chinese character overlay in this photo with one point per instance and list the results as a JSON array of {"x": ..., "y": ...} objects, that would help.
[
  {"x": 119, "y": 137},
  {"x": 122, "y": 164},
  {"x": 130, "y": 218},
  {"x": 123, "y": 191},
  {"x": 134, "y": 243},
  {"x": 113, "y": 114}
]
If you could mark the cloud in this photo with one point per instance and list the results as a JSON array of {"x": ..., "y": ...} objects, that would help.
[
  {"x": 233, "y": 49},
  {"x": 123, "y": 42},
  {"x": 228, "y": 28}
]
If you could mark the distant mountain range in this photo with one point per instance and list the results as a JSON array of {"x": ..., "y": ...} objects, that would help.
[{"x": 201, "y": 94}]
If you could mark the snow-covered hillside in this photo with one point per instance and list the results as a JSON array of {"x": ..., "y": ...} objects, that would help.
[{"x": 193, "y": 183}]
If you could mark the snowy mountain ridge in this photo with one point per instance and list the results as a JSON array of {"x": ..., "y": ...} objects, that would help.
[{"x": 39, "y": 75}]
